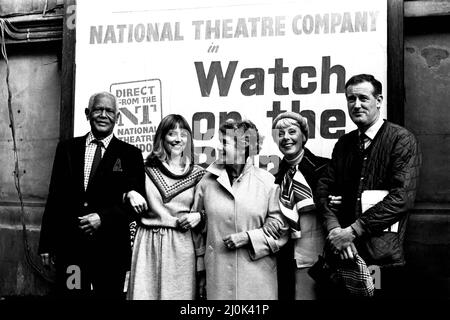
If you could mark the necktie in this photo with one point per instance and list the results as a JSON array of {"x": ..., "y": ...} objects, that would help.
[
  {"x": 97, "y": 158},
  {"x": 362, "y": 141}
]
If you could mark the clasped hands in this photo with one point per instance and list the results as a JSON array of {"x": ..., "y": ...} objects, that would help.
[{"x": 341, "y": 242}]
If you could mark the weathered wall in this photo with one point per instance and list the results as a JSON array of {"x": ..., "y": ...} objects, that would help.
[
  {"x": 427, "y": 85},
  {"x": 35, "y": 87},
  {"x": 26, "y": 6},
  {"x": 428, "y": 255},
  {"x": 427, "y": 114}
]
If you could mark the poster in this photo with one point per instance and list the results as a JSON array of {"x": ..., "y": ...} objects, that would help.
[
  {"x": 140, "y": 111},
  {"x": 213, "y": 60}
]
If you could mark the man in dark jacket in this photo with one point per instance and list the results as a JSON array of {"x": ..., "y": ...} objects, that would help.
[
  {"x": 379, "y": 155},
  {"x": 85, "y": 223}
]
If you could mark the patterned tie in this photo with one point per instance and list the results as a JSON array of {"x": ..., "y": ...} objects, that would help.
[
  {"x": 97, "y": 158},
  {"x": 362, "y": 141}
]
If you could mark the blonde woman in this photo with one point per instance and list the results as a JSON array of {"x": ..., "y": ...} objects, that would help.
[{"x": 297, "y": 176}]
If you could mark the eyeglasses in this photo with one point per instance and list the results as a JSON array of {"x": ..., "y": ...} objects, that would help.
[{"x": 99, "y": 111}]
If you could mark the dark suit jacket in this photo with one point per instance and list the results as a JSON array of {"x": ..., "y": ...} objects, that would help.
[{"x": 120, "y": 170}]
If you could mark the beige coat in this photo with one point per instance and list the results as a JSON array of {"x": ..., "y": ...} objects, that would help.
[{"x": 249, "y": 272}]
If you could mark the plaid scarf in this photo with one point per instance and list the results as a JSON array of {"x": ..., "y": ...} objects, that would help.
[{"x": 295, "y": 198}]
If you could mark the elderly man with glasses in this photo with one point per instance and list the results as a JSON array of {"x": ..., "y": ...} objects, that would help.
[{"x": 85, "y": 226}]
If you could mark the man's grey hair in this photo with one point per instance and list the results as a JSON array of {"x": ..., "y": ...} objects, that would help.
[{"x": 104, "y": 94}]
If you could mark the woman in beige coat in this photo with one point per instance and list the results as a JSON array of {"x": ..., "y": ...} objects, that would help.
[{"x": 238, "y": 198}]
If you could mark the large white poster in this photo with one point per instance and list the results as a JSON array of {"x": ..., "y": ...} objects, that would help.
[{"x": 210, "y": 60}]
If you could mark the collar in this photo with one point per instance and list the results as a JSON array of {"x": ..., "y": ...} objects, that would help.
[
  {"x": 222, "y": 176},
  {"x": 373, "y": 129},
  {"x": 165, "y": 169},
  {"x": 105, "y": 141},
  {"x": 218, "y": 169}
]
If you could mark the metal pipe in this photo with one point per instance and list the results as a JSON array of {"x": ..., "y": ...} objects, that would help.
[{"x": 37, "y": 32}]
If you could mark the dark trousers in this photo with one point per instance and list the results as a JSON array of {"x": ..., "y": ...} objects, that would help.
[
  {"x": 89, "y": 279},
  {"x": 286, "y": 272}
]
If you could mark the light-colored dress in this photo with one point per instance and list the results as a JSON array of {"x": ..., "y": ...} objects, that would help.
[
  {"x": 249, "y": 272},
  {"x": 163, "y": 263}
]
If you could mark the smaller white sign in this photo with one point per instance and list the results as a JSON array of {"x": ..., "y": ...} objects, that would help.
[{"x": 139, "y": 103}]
